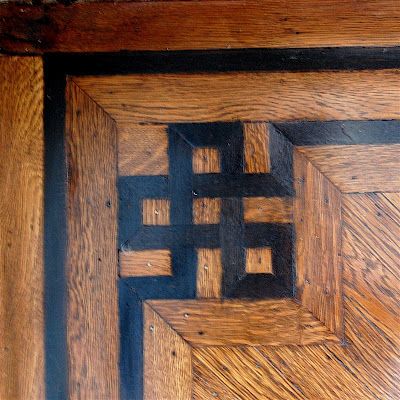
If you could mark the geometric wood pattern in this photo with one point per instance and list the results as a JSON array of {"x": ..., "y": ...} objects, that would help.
[
  {"x": 206, "y": 160},
  {"x": 176, "y": 25},
  {"x": 259, "y": 260},
  {"x": 22, "y": 345},
  {"x": 206, "y": 210},
  {"x": 177, "y": 327},
  {"x": 256, "y": 145},
  {"x": 156, "y": 212}
]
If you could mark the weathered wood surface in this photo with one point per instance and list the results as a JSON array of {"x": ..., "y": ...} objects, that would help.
[
  {"x": 92, "y": 259},
  {"x": 145, "y": 263},
  {"x": 209, "y": 273},
  {"x": 241, "y": 322},
  {"x": 256, "y": 148},
  {"x": 268, "y": 209},
  {"x": 179, "y": 25},
  {"x": 358, "y": 168},
  {"x": 317, "y": 218},
  {"x": 21, "y": 229},
  {"x": 257, "y": 96},
  {"x": 167, "y": 360}
]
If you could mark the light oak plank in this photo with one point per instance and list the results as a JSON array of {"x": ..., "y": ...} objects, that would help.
[
  {"x": 358, "y": 168},
  {"x": 317, "y": 219},
  {"x": 155, "y": 212},
  {"x": 256, "y": 96},
  {"x": 92, "y": 259},
  {"x": 268, "y": 209},
  {"x": 145, "y": 263},
  {"x": 256, "y": 148},
  {"x": 142, "y": 150},
  {"x": 209, "y": 273},
  {"x": 167, "y": 360},
  {"x": 241, "y": 322},
  {"x": 179, "y": 25},
  {"x": 21, "y": 229}
]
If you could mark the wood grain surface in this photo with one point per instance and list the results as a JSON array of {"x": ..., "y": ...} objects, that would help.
[
  {"x": 268, "y": 209},
  {"x": 259, "y": 260},
  {"x": 142, "y": 150},
  {"x": 206, "y": 160},
  {"x": 178, "y": 25},
  {"x": 156, "y": 212},
  {"x": 358, "y": 168},
  {"x": 241, "y": 322},
  {"x": 21, "y": 229},
  {"x": 317, "y": 218},
  {"x": 92, "y": 259},
  {"x": 257, "y": 96},
  {"x": 209, "y": 273},
  {"x": 167, "y": 361},
  {"x": 145, "y": 263},
  {"x": 206, "y": 210},
  {"x": 256, "y": 148}
]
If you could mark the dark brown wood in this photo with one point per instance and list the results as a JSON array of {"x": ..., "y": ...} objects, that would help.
[
  {"x": 178, "y": 25},
  {"x": 92, "y": 259},
  {"x": 274, "y": 96},
  {"x": 21, "y": 229}
]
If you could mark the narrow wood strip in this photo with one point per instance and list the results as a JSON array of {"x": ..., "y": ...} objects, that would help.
[
  {"x": 256, "y": 147},
  {"x": 142, "y": 150},
  {"x": 268, "y": 209},
  {"x": 260, "y": 96},
  {"x": 209, "y": 273},
  {"x": 242, "y": 322},
  {"x": 167, "y": 360},
  {"x": 145, "y": 263},
  {"x": 358, "y": 168},
  {"x": 259, "y": 260},
  {"x": 317, "y": 218},
  {"x": 92, "y": 259},
  {"x": 21, "y": 229},
  {"x": 198, "y": 25}
]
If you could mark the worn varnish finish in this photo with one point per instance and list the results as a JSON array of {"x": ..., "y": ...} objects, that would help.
[
  {"x": 257, "y": 96},
  {"x": 256, "y": 148},
  {"x": 209, "y": 273},
  {"x": 174, "y": 25},
  {"x": 21, "y": 229},
  {"x": 268, "y": 209},
  {"x": 92, "y": 259}
]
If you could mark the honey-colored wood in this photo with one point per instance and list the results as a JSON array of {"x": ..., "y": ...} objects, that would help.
[
  {"x": 268, "y": 209},
  {"x": 206, "y": 160},
  {"x": 178, "y": 25},
  {"x": 209, "y": 273},
  {"x": 92, "y": 259},
  {"x": 142, "y": 150},
  {"x": 155, "y": 212},
  {"x": 259, "y": 260},
  {"x": 167, "y": 360},
  {"x": 256, "y": 148},
  {"x": 206, "y": 210},
  {"x": 21, "y": 229},
  {"x": 257, "y": 96},
  {"x": 358, "y": 168},
  {"x": 242, "y": 322},
  {"x": 317, "y": 218},
  {"x": 145, "y": 263}
]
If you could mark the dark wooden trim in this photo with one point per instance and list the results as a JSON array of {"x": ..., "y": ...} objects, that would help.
[{"x": 182, "y": 25}]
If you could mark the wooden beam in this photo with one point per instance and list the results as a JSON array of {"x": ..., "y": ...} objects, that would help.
[
  {"x": 242, "y": 322},
  {"x": 92, "y": 259},
  {"x": 210, "y": 24},
  {"x": 257, "y": 96},
  {"x": 21, "y": 229}
]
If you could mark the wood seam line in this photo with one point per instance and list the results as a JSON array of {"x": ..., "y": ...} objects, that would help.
[
  {"x": 72, "y": 81},
  {"x": 146, "y": 302}
]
